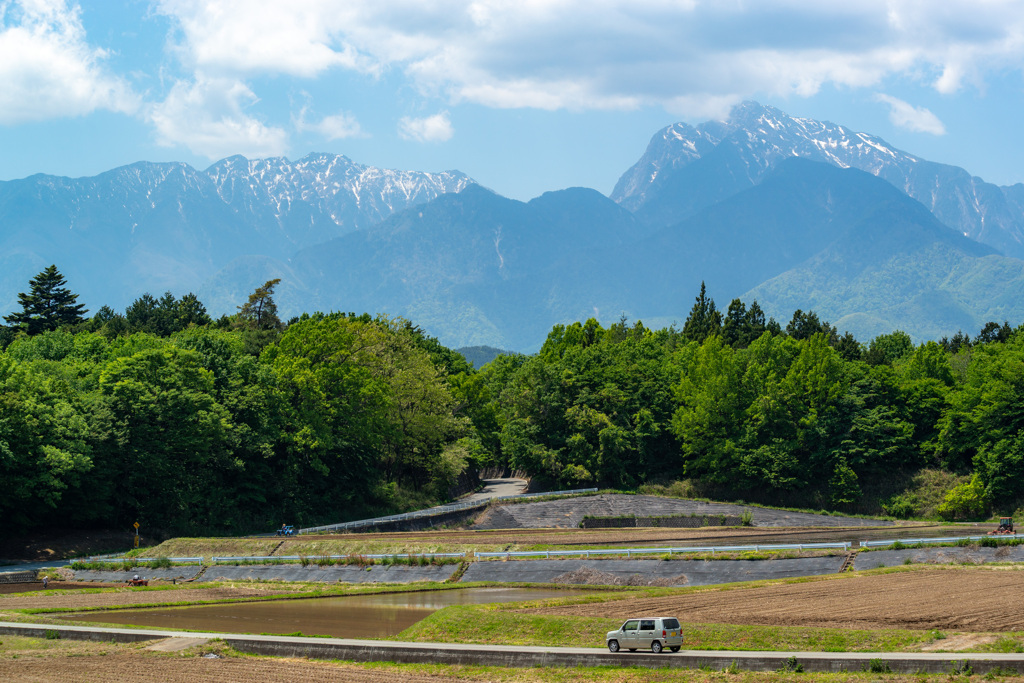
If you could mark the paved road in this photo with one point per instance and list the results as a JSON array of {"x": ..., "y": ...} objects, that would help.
[
  {"x": 504, "y": 655},
  {"x": 494, "y": 488}
]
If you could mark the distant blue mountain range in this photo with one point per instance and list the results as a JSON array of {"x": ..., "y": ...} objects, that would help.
[{"x": 793, "y": 212}]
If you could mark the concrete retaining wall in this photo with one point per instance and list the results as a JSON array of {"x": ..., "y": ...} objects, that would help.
[
  {"x": 674, "y": 572},
  {"x": 953, "y": 555},
  {"x": 18, "y": 577},
  {"x": 682, "y": 522},
  {"x": 331, "y": 574}
]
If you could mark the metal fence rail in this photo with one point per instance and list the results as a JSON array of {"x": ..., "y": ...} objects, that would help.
[
  {"x": 432, "y": 512},
  {"x": 938, "y": 541}
]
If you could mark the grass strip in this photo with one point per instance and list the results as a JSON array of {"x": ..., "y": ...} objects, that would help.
[{"x": 488, "y": 624}]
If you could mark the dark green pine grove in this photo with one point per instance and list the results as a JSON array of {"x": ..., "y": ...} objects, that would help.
[{"x": 192, "y": 425}]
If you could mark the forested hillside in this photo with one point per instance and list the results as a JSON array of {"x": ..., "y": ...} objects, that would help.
[{"x": 196, "y": 426}]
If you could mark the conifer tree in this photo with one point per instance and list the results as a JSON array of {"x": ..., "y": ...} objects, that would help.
[
  {"x": 705, "y": 319},
  {"x": 47, "y": 305},
  {"x": 260, "y": 311}
]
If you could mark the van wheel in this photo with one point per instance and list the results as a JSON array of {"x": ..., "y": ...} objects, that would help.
[
  {"x": 675, "y": 649},
  {"x": 656, "y": 647},
  {"x": 613, "y": 645}
]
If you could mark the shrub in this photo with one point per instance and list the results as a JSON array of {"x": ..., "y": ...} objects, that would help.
[
  {"x": 879, "y": 666},
  {"x": 792, "y": 666},
  {"x": 961, "y": 668},
  {"x": 902, "y": 506},
  {"x": 966, "y": 501},
  {"x": 747, "y": 518}
]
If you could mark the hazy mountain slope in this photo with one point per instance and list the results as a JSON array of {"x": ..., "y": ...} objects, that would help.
[
  {"x": 838, "y": 241},
  {"x": 473, "y": 268},
  {"x": 685, "y": 169}
]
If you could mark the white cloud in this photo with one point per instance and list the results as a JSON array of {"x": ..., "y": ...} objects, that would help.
[
  {"x": 608, "y": 54},
  {"x": 207, "y": 115},
  {"x": 299, "y": 38},
  {"x": 335, "y": 127},
  {"x": 905, "y": 115},
  {"x": 47, "y": 67},
  {"x": 436, "y": 128}
]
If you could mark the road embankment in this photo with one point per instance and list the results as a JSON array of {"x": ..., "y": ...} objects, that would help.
[{"x": 508, "y": 656}]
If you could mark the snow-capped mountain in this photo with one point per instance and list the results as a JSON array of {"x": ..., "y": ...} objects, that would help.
[
  {"x": 671, "y": 180},
  {"x": 169, "y": 226},
  {"x": 322, "y": 196}
]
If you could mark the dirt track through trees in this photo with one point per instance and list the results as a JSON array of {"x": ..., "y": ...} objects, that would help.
[{"x": 953, "y": 599}]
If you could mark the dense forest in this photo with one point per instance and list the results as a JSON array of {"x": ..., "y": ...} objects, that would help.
[{"x": 192, "y": 425}]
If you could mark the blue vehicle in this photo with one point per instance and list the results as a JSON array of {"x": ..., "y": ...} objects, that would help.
[{"x": 286, "y": 530}]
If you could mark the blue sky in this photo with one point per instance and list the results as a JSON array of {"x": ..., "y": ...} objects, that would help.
[{"x": 525, "y": 96}]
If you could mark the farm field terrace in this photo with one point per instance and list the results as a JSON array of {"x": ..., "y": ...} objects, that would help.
[
  {"x": 515, "y": 539},
  {"x": 902, "y": 609},
  {"x": 34, "y": 659}
]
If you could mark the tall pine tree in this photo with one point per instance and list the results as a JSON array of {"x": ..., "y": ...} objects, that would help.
[
  {"x": 47, "y": 305},
  {"x": 705, "y": 319}
]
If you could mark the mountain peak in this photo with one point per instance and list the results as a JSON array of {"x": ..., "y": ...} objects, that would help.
[{"x": 686, "y": 168}]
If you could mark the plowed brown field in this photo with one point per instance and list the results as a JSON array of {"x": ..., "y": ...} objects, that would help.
[
  {"x": 953, "y": 599},
  {"x": 127, "y": 596},
  {"x": 124, "y": 667}
]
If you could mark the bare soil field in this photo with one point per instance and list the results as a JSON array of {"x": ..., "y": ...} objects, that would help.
[
  {"x": 7, "y": 588},
  {"x": 129, "y": 596},
  {"x": 121, "y": 667},
  {"x": 959, "y": 599}
]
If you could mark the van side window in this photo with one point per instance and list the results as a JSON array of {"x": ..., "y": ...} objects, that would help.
[
  {"x": 630, "y": 625},
  {"x": 647, "y": 625}
]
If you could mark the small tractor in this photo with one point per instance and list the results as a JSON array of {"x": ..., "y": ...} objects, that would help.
[
  {"x": 286, "y": 530},
  {"x": 137, "y": 582},
  {"x": 1005, "y": 526}
]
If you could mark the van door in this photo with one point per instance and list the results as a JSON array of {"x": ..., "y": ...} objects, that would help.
[
  {"x": 629, "y": 631},
  {"x": 645, "y": 634}
]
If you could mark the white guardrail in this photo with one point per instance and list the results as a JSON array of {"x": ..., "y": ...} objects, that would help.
[
  {"x": 433, "y": 512},
  {"x": 938, "y": 541}
]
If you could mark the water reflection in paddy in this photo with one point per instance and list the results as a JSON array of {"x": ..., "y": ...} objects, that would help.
[{"x": 354, "y": 616}]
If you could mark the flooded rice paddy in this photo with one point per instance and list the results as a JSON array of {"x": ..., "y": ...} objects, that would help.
[{"x": 354, "y": 616}]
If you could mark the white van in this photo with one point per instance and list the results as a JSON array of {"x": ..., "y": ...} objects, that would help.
[{"x": 656, "y": 633}]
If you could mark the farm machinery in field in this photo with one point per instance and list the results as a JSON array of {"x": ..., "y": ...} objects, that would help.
[{"x": 1005, "y": 527}]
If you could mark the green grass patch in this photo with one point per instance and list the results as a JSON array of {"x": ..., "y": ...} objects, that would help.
[{"x": 496, "y": 624}]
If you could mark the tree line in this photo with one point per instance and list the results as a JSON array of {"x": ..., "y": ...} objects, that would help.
[{"x": 193, "y": 425}]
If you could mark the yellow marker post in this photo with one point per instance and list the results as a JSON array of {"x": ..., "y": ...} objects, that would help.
[{"x": 136, "y": 525}]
